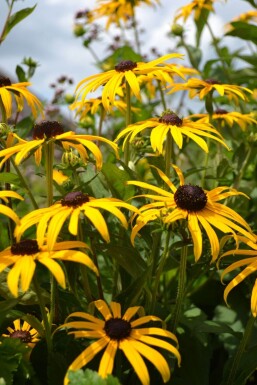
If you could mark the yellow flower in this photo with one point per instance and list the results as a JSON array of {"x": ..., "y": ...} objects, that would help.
[
  {"x": 53, "y": 131},
  {"x": 119, "y": 332},
  {"x": 250, "y": 266},
  {"x": 126, "y": 70},
  {"x": 116, "y": 10},
  {"x": 20, "y": 92},
  {"x": 201, "y": 88},
  {"x": 227, "y": 118},
  {"x": 247, "y": 16},
  {"x": 22, "y": 256},
  {"x": 71, "y": 206},
  {"x": 178, "y": 128},
  {"x": 195, "y": 7},
  {"x": 93, "y": 105},
  {"x": 7, "y": 210},
  {"x": 199, "y": 207},
  {"x": 24, "y": 332}
]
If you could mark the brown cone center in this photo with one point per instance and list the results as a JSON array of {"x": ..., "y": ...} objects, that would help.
[
  {"x": 25, "y": 247},
  {"x": 117, "y": 328},
  {"x": 75, "y": 199},
  {"x": 125, "y": 65},
  {"x": 48, "y": 129},
  {"x": 23, "y": 335},
  {"x": 171, "y": 119},
  {"x": 190, "y": 198}
]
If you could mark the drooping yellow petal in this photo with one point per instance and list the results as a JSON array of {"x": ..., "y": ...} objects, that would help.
[
  {"x": 56, "y": 224},
  {"x": 27, "y": 271},
  {"x": 116, "y": 309},
  {"x": 55, "y": 269},
  {"x": 103, "y": 308},
  {"x": 107, "y": 361},
  {"x": 196, "y": 234},
  {"x": 98, "y": 221}
]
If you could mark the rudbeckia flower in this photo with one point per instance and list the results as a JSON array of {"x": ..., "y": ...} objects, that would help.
[
  {"x": 53, "y": 131},
  {"x": 198, "y": 87},
  {"x": 24, "y": 331},
  {"x": 247, "y": 16},
  {"x": 119, "y": 332},
  {"x": 20, "y": 93},
  {"x": 23, "y": 256},
  {"x": 227, "y": 118},
  {"x": 126, "y": 70},
  {"x": 249, "y": 265},
  {"x": 195, "y": 7},
  {"x": 178, "y": 128},
  {"x": 71, "y": 206},
  {"x": 200, "y": 208},
  {"x": 4, "y": 195},
  {"x": 116, "y": 10}
]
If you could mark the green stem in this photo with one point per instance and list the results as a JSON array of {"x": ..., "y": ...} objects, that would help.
[
  {"x": 47, "y": 326},
  {"x": 128, "y": 121},
  {"x": 168, "y": 153},
  {"x": 2, "y": 36},
  {"x": 181, "y": 288},
  {"x": 49, "y": 160},
  {"x": 240, "y": 351},
  {"x": 159, "y": 271},
  {"x": 83, "y": 269},
  {"x": 162, "y": 96}
]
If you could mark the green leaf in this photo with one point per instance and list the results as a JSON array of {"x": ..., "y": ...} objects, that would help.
[
  {"x": 12, "y": 351},
  {"x": 35, "y": 323},
  {"x": 243, "y": 31},
  {"x": 252, "y": 2},
  {"x": 195, "y": 55},
  {"x": 122, "y": 53},
  {"x": 17, "y": 18},
  {"x": 117, "y": 179},
  {"x": 21, "y": 75},
  {"x": 8, "y": 177},
  {"x": 216, "y": 328},
  {"x": 89, "y": 377}
]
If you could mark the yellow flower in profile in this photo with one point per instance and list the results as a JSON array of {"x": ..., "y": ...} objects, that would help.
[
  {"x": 249, "y": 265},
  {"x": 195, "y": 7},
  {"x": 169, "y": 122},
  {"x": 22, "y": 257},
  {"x": 126, "y": 70},
  {"x": 5, "y": 210},
  {"x": 51, "y": 219},
  {"x": 20, "y": 93},
  {"x": 47, "y": 131},
  {"x": 198, "y": 87},
  {"x": 200, "y": 208},
  {"x": 116, "y": 10},
  {"x": 24, "y": 331},
  {"x": 247, "y": 16},
  {"x": 226, "y": 118},
  {"x": 119, "y": 332}
]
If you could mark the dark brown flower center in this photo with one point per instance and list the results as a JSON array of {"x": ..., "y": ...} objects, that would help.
[
  {"x": 23, "y": 335},
  {"x": 220, "y": 111},
  {"x": 5, "y": 81},
  {"x": 48, "y": 129},
  {"x": 125, "y": 65},
  {"x": 190, "y": 198},
  {"x": 75, "y": 199},
  {"x": 117, "y": 328},
  {"x": 171, "y": 119},
  {"x": 212, "y": 81},
  {"x": 25, "y": 247}
]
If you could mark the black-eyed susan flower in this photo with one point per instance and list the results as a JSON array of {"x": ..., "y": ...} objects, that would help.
[
  {"x": 225, "y": 117},
  {"x": 117, "y": 10},
  {"x": 200, "y": 208},
  {"x": 249, "y": 264},
  {"x": 179, "y": 128},
  {"x": 5, "y": 210},
  {"x": 24, "y": 331},
  {"x": 198, "y": 87},
  {"x": 126, "y": 70},
  {"x": 247, "y": 16},
  {"x": 195, "y": 8},
  {"x": 22, "y": 257},
  {"x": 53, "y": 131},
  {"x": 119, "y": 332},
  {"x": 20, "y": 93},
  {"x": 51, "y": 219}
]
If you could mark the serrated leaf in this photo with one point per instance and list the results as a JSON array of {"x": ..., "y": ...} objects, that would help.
[{"x": 17, "y": 18}]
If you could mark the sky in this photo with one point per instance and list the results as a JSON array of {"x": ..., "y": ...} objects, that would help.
[{"x": 46, "y": 36}]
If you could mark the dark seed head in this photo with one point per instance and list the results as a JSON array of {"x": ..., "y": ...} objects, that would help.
[
  {"x": 25, "y": 247},
  {"x": 23, "y": 335},
  {"x": 48, "y": 129},
  {"x": 125, "y": 65},
  {"x": 4, "y": 82},
  {"x": 117, "y": 328},
  {"x": 171, "y": 119},
  {"x": 220, "y": 111},
  {"x": 190, "y": 198},
  {"x": 212, "y": 81},
  {"x": 75, "y": 199}
]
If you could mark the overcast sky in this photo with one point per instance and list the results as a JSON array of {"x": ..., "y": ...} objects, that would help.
[{"x": 46, "y": 36}]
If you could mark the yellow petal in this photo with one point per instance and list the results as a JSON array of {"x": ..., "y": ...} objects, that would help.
[
  {"x": 55, "y": 269},
  {"x": 107, "y": 361}
]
